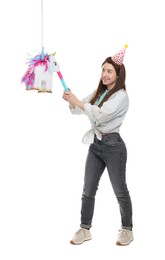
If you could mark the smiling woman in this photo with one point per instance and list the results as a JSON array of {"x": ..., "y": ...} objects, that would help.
[
  {"x": 106, "y": 109},
  {"x": 42, "y": 158}
]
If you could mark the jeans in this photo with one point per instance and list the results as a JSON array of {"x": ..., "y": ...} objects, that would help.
[{"x": 110, "y": 152}]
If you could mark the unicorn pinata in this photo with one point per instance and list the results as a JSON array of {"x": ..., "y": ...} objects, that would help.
[{"x": 40, "y": 70}]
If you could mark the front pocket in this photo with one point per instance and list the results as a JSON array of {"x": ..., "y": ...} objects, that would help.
[{"x": 113, "y": 141}]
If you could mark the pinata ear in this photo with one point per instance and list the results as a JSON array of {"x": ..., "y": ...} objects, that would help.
[{"x": 119, "y": 56}]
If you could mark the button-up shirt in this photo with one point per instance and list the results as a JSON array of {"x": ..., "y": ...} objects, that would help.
[{"x": 105, "y": 119}]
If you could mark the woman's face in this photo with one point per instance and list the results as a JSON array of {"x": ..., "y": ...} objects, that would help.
[{"x": 108, "y": 75}]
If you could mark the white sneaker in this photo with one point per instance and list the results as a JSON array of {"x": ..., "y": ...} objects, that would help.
[
  {"x": 80, "y": 236},
  {"x": 125, "y": 237}
]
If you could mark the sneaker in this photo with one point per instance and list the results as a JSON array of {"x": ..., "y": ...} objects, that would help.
[
  {"x": 80, "y": 236},
  {"x": 125, "y": 237}
]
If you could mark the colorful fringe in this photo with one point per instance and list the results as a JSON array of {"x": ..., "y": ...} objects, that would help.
[{"x": 41, "y": 59}]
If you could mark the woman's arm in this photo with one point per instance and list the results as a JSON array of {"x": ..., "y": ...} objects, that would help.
[
  {"x": 76, "y": 106},
  {"x": 73, "y": 100}
]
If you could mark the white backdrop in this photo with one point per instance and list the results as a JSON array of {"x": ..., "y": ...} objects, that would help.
[{"x": 42, "y": 158}]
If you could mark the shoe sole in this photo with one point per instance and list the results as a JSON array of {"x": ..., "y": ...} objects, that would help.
[
  {"x": 120, "y": 244},
  {"x": 73, "y": 243}
]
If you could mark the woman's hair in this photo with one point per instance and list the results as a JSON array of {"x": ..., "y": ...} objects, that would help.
[{"x": 120, "y": 82}]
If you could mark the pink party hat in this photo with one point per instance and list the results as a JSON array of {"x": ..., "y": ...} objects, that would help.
[{"x": 118, "y": 57}]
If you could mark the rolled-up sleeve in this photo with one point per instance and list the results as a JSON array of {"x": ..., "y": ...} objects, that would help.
[{"x": 77, "y": 110}]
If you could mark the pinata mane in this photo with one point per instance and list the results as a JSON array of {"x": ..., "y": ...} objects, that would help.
[{"x": 42, "y": 59}]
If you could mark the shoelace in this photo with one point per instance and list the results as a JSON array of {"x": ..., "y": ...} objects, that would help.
[{"x": 123, "y": 233}]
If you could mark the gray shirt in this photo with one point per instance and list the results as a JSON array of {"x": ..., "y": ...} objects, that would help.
[{"x": 105, "y": 119}]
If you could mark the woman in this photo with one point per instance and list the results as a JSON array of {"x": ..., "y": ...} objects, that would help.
[{"x": 106, "y": 108}]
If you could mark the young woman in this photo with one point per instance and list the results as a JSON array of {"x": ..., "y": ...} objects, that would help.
[{"x": 106, "y": 108}]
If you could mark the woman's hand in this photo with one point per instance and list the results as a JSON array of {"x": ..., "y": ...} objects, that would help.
[
  {"x": 65, "y": 95},
  {"x": 72, "y": 99}
]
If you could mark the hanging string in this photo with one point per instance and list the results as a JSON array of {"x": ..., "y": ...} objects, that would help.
[{"x": 42, "y": 46}]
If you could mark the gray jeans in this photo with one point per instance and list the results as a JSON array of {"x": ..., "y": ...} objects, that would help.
[{"x": 110, "y": 152}]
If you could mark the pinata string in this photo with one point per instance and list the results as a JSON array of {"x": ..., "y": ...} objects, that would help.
[{"x": 42, "y": 18}]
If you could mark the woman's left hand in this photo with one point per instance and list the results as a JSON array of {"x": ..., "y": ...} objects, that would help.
[{"x": 72, "y": 99}]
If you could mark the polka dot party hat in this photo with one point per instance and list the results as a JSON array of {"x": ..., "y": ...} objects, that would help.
[{"x": 118, "y": 57}]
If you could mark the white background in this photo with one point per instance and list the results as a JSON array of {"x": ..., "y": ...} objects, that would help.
[{"x": 41, "y": 155}]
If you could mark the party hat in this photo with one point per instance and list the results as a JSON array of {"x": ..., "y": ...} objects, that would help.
[{"x": 118, "y": 57}]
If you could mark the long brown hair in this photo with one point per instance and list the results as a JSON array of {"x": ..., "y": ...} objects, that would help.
[{"x": 120, "y": 82}]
